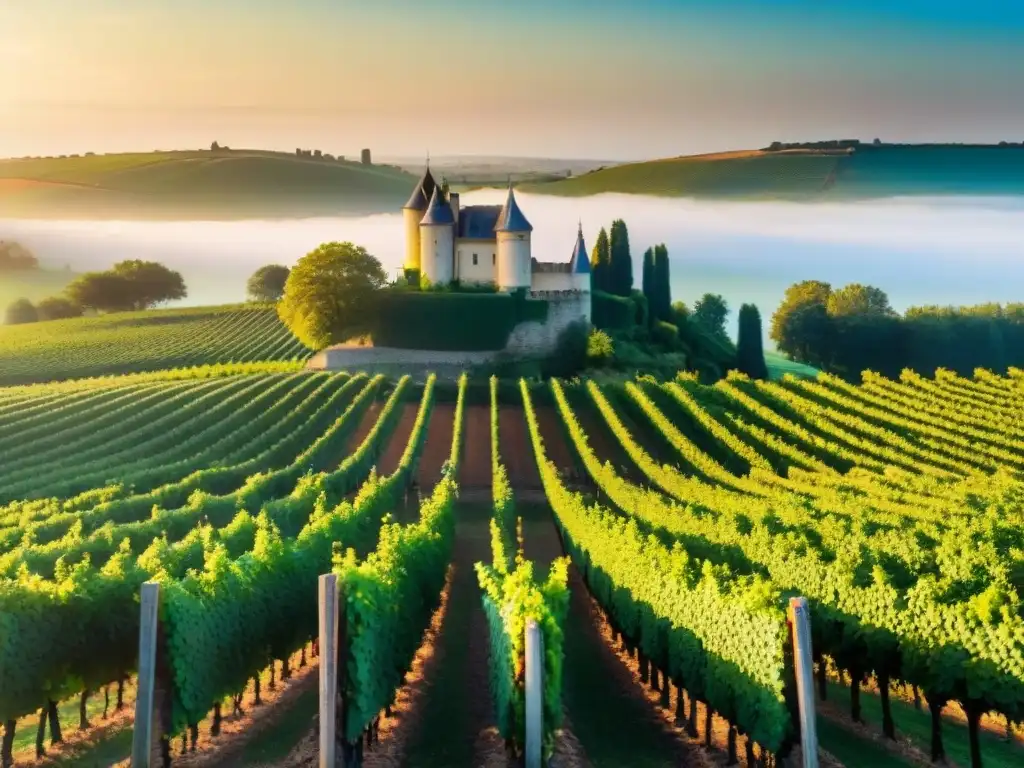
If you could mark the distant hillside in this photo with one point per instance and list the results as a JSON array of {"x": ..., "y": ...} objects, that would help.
[
  {"x": 482, "y": 170},
  {"x": 197, "y": 184},
  {"x": 804, "y": 174}
]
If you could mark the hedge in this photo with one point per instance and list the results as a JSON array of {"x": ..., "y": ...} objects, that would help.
[
  {"x": 450, "y": 320},
  {"x": 612, "y": 312}
]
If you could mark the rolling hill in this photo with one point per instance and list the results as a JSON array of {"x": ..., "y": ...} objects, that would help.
[
  {"x": 197, "y": 184},
  {"x": 237, "y": 184},
  {"x": 807, "y": 174}
]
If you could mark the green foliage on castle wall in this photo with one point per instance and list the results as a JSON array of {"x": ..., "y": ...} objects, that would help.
[{"x": 452, "y": 321}]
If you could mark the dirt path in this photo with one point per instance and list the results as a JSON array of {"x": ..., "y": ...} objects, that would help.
[
  {"x": 438, "y": 446},
  {"x": 604, "y": 443},
  {"x": 388, "y": 462},
  {"x": 366, "y": 422},
  {"x": 615, "y": 722},
  {"x": 444, "y": 718},
  {"x": 475, "y": 470},
  {"x": 517, "y": 450},
  {"x": 556, "y": 444}
]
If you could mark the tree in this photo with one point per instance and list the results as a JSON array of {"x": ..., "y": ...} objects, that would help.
[
  {"x": 857, "y": 299},
  {"x": 710, "y": 312},
  {"x": 150, "y": 283},
  {"x": 330, "y": 295},
  {"x": 750, "y": 346},
  {"x": 800, "y": 326},
  {"x": 600, "y": 263},
  {"x": 620, "y": 280},
  {"x": 214, "y": 146},
  {"x": 267, "y": 283},
  {"x": 20, "y": 312},
  {"x": 102, "y": 291},
  {"x": 58, "y": 308},
  {"x": 16, "y": 258},
  {"x": 647, "y": 278},
  {"x": 661, "y": 306}
]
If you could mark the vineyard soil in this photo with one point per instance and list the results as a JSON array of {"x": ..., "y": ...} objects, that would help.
[{"x": 613, "y": 720}]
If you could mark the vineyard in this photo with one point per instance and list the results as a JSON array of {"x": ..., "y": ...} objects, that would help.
[
  {"x": 654, "y": 531},
  {"x": 131, "y": 342}
]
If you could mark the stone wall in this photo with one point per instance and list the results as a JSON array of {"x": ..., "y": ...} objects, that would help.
[{"x": 535, "y": 339}]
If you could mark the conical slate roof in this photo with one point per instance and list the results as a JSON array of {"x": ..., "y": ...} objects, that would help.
[
  {"x": 421, "y": 194},
  {"x": 438, "y": 212},
  {"x": 579, "y": 264},
  {"x": 511, "y": 219}
]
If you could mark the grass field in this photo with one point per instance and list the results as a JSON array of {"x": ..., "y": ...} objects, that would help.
[
  {"x": 736, "y": 495},
  {"x": 197, "y": 184},
  {"x": 132, "y": 342},
  {"x": 779, "y": 365},
  {"x": 811, "y": 175}
]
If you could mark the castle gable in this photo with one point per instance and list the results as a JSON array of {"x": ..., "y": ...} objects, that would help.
[{"x": 476, "y": 222}]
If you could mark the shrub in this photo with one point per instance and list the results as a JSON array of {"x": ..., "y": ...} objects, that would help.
[
  {"x": 58, "y": 308},
  {"x": 570, "y": 355},
  {"x": 600, "y": 348},
  {"x": 20, "y": 312},
  {"x": 666, "y": 334}
]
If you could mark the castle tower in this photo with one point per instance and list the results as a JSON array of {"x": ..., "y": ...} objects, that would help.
[
  {"x": 512, "y": 232},
  {"x": 579, "y": 264},
  {"x": 437, "y": 240},
  {"x": 412, "y": 214}
]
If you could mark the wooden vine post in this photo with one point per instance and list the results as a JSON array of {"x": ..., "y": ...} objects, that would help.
[
  {"x": 803, "y": 664},
  {"x": 152, "y": 713},
  {"x": 328, "y": 651},
  {"x": 534, "y": 695}
]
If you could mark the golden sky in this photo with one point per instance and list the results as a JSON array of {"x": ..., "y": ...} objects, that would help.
[{"x": 638, "y": 79}]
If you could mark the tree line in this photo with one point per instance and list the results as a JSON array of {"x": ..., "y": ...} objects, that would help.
[
  {"x": 854, "y": 328},
  {"x": 643, "y": 325},
  {"x": 128, "y": 286}
]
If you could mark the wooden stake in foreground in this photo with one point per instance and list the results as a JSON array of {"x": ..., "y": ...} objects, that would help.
[
  {"x": 143, "y": 750},
  {"x": 534, "y": 695},
  {"x": 328, "y": 610},
  {"x": 803, "y": 664}
]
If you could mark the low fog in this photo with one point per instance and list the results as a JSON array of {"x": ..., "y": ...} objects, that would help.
[{"x": 920, "y": 251}]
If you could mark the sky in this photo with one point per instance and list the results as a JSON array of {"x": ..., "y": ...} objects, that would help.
[{"x": 608, "y": 80}]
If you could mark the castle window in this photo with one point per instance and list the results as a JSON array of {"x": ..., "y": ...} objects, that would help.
[
  {"x": 494, "y": 259},
  {"x": 474, "y": 259}
]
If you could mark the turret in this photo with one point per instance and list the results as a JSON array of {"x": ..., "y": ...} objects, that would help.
[
  {"x": 412, "y": 214},
  {"x": 579, "y": 264},
  {"x": 512, "y": 232},
  {"x": 437, "y": 240}
]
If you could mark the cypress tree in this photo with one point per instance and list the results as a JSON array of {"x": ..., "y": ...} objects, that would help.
[
  {"x": 600, "y": 265},
  {"x": 661, "y": 306},
  {"x": 750, "y": 348},
  {"x": 650, "y": 285},
  {"x": 621, "y": 272}
]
